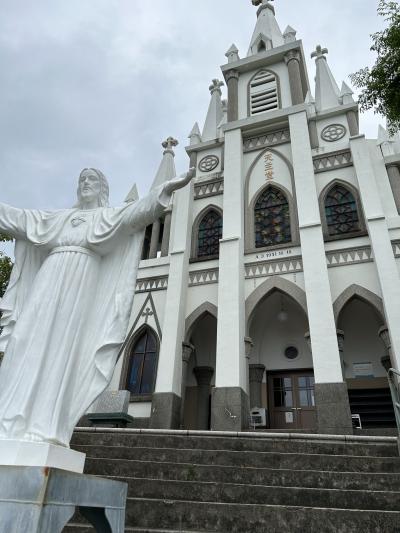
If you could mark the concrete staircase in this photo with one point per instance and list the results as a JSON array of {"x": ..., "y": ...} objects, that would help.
[{"x": 251, "y": 483}]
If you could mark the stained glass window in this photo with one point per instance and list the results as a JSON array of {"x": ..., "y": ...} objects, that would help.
[
  {"x": 143, "y": 364},
  {"x": 272, "y": 218},
  {"x": 341, "y": 211},
  {"x": 209, "y": 234}
]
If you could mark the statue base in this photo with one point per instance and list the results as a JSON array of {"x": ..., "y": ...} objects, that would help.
[
  {"x": 43, "y": 500},
  {"x": 41, "y": 454}
]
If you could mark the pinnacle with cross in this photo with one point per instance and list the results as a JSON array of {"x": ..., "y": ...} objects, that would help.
[
  {"x": 319, "y": 52},
  {"x": 216, "y": 86},
  {"x": 170, "y": 143}
]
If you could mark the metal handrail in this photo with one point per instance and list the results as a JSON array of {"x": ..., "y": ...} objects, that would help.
[{"x": 394, "y": 382}]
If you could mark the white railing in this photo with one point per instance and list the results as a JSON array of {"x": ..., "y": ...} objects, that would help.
[{"x": 394, "y": 382}]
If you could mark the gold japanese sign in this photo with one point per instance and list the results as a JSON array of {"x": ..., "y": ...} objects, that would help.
[{"x": 269, "y": 166}]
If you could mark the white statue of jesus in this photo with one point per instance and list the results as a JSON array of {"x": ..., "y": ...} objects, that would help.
[{"x": 66, "y": 310}]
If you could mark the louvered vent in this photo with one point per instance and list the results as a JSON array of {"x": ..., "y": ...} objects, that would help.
[{"x": 263, "y": 93}]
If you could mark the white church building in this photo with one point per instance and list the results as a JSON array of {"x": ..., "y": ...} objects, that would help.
[{"x": 273, "y": 280}]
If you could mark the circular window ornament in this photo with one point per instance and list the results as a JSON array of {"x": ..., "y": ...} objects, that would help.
[
  {"x": 208, "y": 163},
  {"x": 333, "y": 133},
  {"x": 291, "y": 352}
]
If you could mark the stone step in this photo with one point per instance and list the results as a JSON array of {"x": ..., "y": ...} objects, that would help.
[
  {"x": 136, "y": 440},
  {"x": 337, "y": 463},
  {"x": 83, "y": 528},
  {"x": 260, "y": 494},
  {"x": 244, "y": 475},
  {"x": 246, "y": 518}
]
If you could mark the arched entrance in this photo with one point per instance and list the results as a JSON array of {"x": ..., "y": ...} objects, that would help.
[
  {"x": 359, "y": 320},
  {"x": 200, "y": 373},
  {"x": 280, "y": 366}
]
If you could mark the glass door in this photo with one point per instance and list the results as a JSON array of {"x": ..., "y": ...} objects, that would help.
[{"x": 291, "y": 400}]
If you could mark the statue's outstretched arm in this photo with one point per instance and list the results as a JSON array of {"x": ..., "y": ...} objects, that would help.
[
  {"x": 150, "y": 208},
  {"x": 12, "y": 221}
]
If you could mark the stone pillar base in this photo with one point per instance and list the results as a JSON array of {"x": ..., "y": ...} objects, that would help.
[
  {"x": 333, "y": 409},
  {"x": 165, "y": 411},
  {"x": 230, "y": 409}
]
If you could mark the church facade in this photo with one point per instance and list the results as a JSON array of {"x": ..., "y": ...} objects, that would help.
[{"x": 272, "y": 282}]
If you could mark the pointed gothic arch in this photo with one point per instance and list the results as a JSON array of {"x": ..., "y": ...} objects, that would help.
[
  {"x": 141, "y": 358},
  {"x": 275, "y": 283},
  {"x": 206, "y": 233},
  {"x": 363, "y": 294},
  {"x": 340, "y": 201},
  {"x": 199, "y": 312}
]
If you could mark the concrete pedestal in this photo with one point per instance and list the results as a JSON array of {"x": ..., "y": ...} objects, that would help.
[
  {"x": 256, "y": 376},
  {"x": 41, "y": 454},
  {"x": 230, "y": 409},
  {"x": 333, "y": 409},
  {"x": 43, "y": 500},
  {"x": 165, "y": 411}
]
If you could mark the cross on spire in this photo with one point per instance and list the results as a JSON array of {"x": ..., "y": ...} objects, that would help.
[
  {"x": 216, "y": 86},
  {"x": 319, "y": 52},
  {"x": 170, "y": 143}
]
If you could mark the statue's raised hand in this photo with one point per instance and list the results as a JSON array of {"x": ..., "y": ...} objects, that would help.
[{"x": 180, "y": 182}]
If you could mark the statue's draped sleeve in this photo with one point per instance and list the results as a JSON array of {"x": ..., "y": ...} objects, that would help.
[{"x": 13, "y": 221}]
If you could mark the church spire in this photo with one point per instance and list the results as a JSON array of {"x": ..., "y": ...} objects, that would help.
[
  {"x": 166, "y": 170},
  {"x": 327, "y": 94},
  {"x": 267, "y": 33},
  {"x": 215, "y": 112}
]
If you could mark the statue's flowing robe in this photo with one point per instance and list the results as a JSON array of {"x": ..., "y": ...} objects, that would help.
[{"x": 66, "y": 311}]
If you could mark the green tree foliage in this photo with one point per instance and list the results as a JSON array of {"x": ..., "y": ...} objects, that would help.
[
  {"x": 380, "y": 85},
  {"x": 5, "y": 266}
]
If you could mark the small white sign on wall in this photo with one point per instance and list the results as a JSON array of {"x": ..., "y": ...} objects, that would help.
[
  {"x": 289, "y": 417},
  {"x": 363, "y": 370}
]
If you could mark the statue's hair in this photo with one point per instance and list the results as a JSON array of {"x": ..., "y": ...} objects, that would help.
[{"x": 104, "y": 188}]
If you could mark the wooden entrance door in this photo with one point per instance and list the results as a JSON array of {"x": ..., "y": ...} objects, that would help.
[{"x": 291, "y": 400}]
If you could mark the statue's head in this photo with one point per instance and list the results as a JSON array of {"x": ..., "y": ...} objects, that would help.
[{"x": 92, "y": 186}]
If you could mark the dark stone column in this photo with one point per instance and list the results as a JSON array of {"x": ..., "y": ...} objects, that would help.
[
  {"x": 386, "y": 360},
  {"x": 187, "y": 351},
  {"x": 292, "y": 60},
  {"x": 166, "y": 233},
  {"x": 165, "y": 411},
  {"x": 232, "y": 81},
  {"x": 230, "y": 409},
  {"x": 340, "y": 338},
  {"x": 354, "y": 128},
  {"x": 203, "y": 376},
  {"x": 256, "y": 377},
  {"x": 394, "y": 179},
  {"x": 312, "y": 127},
  {"x": 155, "y": 236},
  {"x": 333, "y": 409}
]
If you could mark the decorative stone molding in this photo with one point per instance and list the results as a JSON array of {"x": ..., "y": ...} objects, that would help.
[
  {"x": 212, "y": 187},
  {"x": 349, "y": 257},
  {"x": 292, "y": 55},
  {"x": 231, "y": 74},
  {"x": 273, "y": 268},
  {"x": 209, "y": 163},
  {"x": 159, "y": 283},
  {"x": 203, "y": 277},
  {"x": 396, "y": 248},
  {"x": 333, "y": 133},
  {"x": 269, "y": 139},
  {"x": 333, "y": 160}
]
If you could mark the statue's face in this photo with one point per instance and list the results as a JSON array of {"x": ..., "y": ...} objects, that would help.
[{"x": 89, "y": 186}]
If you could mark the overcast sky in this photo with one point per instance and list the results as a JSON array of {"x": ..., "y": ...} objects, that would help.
[{"x": 103, "y": 82}]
